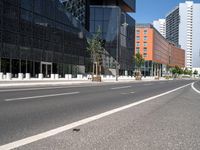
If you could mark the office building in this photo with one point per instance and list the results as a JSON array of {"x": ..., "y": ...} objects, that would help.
[
  {"x": 40, "y": 36},
  {"x": 117, "y": 31},
  {"x": 159, "y": 54},
  {"x": 160, "y": 25},
  {"x": 79, "y": 9},
  {"x": 182, "y": 26}
]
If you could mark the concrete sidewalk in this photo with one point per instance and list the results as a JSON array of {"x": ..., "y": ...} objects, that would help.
[{"x": 15, "y": 83}]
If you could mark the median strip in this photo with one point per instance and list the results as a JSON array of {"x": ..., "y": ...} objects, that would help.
[{"x": 41, "y": 96}]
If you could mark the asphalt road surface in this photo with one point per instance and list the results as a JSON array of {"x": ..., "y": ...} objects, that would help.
[{"x": 126, "y": 116}]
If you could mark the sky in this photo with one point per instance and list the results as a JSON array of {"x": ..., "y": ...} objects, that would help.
[{"x": 149, "y": 10}]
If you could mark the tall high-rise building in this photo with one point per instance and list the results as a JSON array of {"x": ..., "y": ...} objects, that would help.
[
  {"x": 160, "y": 25},
  {"x": 182, "y": 26},
  {"x": 118, "y": 30}
]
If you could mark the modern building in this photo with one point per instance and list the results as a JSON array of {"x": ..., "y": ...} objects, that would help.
[
  {"x": 183, "y": 29},
  {"x": 40, "y": 36},
  {"x": 160, "y": 25},
  {"x": 159, "y": 54},
  {"x": 79, "y": 9},
  {"x": 118, "y": 30}
]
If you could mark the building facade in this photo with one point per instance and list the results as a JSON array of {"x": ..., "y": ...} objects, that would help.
[
  {"x": 40, "y": 36},
  {"x": 79, "y": 9},
  {"x": 160, "y": 25},
  {"x": 157, "y": 51},
  {"x": 186, "y": 31},
  {"x": 117, "y": 29}
]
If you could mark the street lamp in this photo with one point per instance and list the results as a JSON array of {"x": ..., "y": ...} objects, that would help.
[{"x": 125, "y": 24}]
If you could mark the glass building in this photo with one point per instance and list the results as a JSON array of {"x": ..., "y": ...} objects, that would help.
[
  {"x": 40, "y": 36},
  {"x": 79, "y": 9},
  {"x": 118, "y": 30}
]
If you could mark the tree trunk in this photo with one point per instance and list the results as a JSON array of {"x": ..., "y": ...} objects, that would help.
[
  {"x": 93, "y": 70},
  {"x": 96, "y": 69}
]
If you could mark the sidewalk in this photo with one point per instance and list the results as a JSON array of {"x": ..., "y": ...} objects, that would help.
[{"x": 16, "y": 82}]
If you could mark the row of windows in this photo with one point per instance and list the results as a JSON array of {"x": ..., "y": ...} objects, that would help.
[
  {"x": 144, "y": 50},
  {"x": 144, "y": 44},
  {"x": 138, "y": 32},
  {"x": 144, "y": 38}
]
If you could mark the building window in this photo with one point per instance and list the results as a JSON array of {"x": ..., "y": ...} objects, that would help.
[
  {"x": 145, "y": 49},
  {"x": 137, "y": 44},
  {"x": 137, "y": 49},
  {"x": 138, "y": 31},
  {"x": 145, "y": 55},
  {"x": 145, "y": 38},
  {"x": 145, "y": 32},
  {"x": 145, "y": 43},
  {"x": 137, "y": 38}
]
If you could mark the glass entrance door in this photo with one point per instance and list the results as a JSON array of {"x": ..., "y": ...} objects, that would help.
[{"x": 46, "y": 69}]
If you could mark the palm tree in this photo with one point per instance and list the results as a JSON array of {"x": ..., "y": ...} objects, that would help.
[
  {"x": 96, "y": 50},
  {"x": 139, "y": 61}
]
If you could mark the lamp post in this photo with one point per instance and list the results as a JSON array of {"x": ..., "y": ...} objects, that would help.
[{"x": 117, "y": 51}]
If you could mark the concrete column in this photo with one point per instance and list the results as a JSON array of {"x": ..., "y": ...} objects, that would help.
[
  {"x": 8, "y": 76},
  {"x": 1, "y": 75},
  {"x": 28, "y": 76},
  {"x": 40, "y": 76},
  {"x": 56, "y": 76},
  {"x": 52, "y": 76},
  {"x": 20, "y": 76}
]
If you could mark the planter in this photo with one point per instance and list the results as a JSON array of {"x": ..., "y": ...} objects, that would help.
[{"x": 97, "y": 79}]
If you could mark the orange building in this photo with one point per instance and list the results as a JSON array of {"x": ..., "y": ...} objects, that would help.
[{"x": 156, "y": 50}]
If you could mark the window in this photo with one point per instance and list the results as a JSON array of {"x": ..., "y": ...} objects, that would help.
[
  {"x": 145, "y": 49},
  {"x": 145, "y": 43},
  {"x": 138, "y": 31},
  {"x": 137, "y": 44},
  {"x": 137, "y": 38},
  {"x": 145, "y": 55},
  {"x": 145, "y": 32},
  {"x": 137, "y": 49},
  {"x": 145, "y": 38}
]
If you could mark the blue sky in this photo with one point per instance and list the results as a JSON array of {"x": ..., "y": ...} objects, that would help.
[{"x": 149, "y": 10}]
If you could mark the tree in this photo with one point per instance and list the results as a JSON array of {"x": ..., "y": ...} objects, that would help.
[
  {"x": 96, "y": 50},
  {"x": 139, "y": 61},
  {"x": 195, "y": 72},
  {"x": 177, "y": 71}
]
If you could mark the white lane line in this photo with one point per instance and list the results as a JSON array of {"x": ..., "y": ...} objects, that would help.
[
  {"x": 148, "y": 84},
  {"x": 127, "y": 93},
  {"x": 30, "y": 89},
  {"x": 192, "y": 85},
  {"x": 58, "y": 130},
  {"x": 41, "y": 96},
  {"x": 122, "y": 87}
]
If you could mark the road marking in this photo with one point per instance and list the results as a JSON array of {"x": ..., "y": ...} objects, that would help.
[
  {"x": 122, "y": 87},
  {"x": 61, "y": 129},
  {"x": 127, "y": 93},
  {"x": 41, "y": 96},
  {"x": 148, "y": 84},
  {"x": 192, "y": 85},
  {"x": 31, "y": 89}
]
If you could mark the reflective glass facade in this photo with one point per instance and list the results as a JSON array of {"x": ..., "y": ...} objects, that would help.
[
  {"x": 118, "y": 30},
  {"x": 35, "y": 31},
  {"x": 79, "y": 9}
]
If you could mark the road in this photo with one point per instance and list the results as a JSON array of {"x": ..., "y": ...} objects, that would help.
[{"x": 138, "y": 116}]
